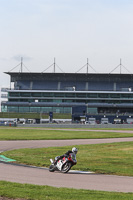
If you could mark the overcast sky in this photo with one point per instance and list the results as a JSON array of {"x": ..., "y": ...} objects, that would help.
[{"x": 69, "y": 30}]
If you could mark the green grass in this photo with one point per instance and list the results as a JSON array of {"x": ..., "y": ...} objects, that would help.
[
  {"x": 34, "y": 192},
  {"x": 115, "y": 158},
  {"x": 37, "y": 134}
]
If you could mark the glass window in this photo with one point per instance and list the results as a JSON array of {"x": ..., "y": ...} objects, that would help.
[
  {"x": 13, "y": 100},
  {"x": 92, "y": 95},
  {"x": 126, "y": 101},
  {"x": 45, "y": 100},
  {"x": 81, "y": 95},
  {"x": 50, "y": 94},
  {"x": 67, "y": 110},
  {"x": 80, "y": 101},
  {"x": 46, "y": 109},
  {"x": 57, "y": 100},
  {"x": 68, "y": 100},
  {"x": 35, "y": 109},
  {"x": 126, "y": 96},
  {"x": 24, "y": 109},
  {"x": 58, "y": 94},
  {"x": 103, "y": 95},
  {"x": 13, "y": 94},
  {"x": 70, "y": 94},
  {"x": 58, "y": 109},
  {"x": 3, "y": 108},
  {"x": 93, "y": 101},
  {"x": 23, "y": 100},
  {"x": 92, "y": 110},
  {"x": 115, "y": 95},
  {"x": 12, "y": 109},
  {"x": 25, "y": 94},
  {"x": 36, "y": 94}
]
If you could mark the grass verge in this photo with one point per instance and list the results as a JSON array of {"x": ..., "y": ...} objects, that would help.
[
  {"x": 34, "y": 192},
  {"x": 36, "y": 134},
  {"x": 114, "y": 158}
]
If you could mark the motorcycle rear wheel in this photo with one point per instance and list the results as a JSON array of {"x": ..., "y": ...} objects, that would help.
[
  {"x": 66, "y": 167},
  {"x": 52, "y": 168}
]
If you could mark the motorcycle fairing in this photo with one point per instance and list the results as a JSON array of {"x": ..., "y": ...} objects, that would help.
[{"x": 60, "y": 163}]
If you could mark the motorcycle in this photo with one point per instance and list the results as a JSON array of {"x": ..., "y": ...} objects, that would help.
[{"x": 63, "y": 165}]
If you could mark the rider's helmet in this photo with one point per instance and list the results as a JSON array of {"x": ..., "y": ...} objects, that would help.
[{"x": 74, "y": 150}]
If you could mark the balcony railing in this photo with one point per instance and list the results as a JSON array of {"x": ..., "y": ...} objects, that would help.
[
  {"x": 4, "y": 96},
  {"x": 4, "y": 89}
]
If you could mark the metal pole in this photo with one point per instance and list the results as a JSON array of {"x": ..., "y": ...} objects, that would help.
[
  {"x": 120, "y": 65},
  {"x": 21, "y": 64},
  {"x": 87, "y": 65},
  {"x": 54, "y": 65}
]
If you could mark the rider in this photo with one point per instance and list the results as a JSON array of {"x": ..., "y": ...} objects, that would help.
[{"x": 74, "y": 150}]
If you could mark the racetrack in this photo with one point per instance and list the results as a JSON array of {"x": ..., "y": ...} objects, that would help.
[{"x": 79, "y": 180}]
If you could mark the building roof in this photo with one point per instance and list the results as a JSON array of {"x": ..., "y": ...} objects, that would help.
[{"x": 15, "y": 76}]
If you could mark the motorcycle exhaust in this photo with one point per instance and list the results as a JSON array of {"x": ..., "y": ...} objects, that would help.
[{"x": 51, "y": 160}]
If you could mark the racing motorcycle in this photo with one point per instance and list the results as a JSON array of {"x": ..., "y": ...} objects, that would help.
[{"x": 63, "y": 165}]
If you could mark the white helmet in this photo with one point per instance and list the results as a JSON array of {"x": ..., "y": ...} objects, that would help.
[{"x": 74, "y": 150}]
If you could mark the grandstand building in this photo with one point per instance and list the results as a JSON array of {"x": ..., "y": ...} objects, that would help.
[{"x": 83, "y": 95}]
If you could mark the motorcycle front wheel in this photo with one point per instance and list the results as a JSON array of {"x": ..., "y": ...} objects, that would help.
[
  {"x": 52, "y": 168},
  {"x": 66, "y": 167}
]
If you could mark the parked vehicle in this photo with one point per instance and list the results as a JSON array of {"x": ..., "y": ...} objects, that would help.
[
  {"x": 92, "y": 121},
  {"x": 117, "y": 121},
  {"x": 129, "y": 120},
  {"x": 63, "y": 165},
  {"x": 104, "y": 120}
]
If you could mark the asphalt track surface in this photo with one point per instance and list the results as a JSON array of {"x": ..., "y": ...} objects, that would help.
[{"x": 73, "y": 179}]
